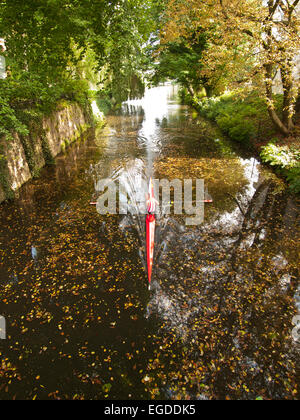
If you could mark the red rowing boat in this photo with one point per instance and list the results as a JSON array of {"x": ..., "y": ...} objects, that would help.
[
  {"x": 150, "y": 229},
  {"x": 150, "y": 226}
]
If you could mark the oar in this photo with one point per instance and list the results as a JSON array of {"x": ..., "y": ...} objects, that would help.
[{"x": 202, "y": 201}]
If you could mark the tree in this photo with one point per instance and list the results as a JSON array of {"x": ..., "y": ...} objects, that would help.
[
  {"x": 38, "y": 35},
  {"x": 129, "y": 27},
  {"x": 49, "y": 38},
  {"x": 250, "y": 40},
  {"x": 280, "y": 43},
  {"x": 181, "y": 60}
]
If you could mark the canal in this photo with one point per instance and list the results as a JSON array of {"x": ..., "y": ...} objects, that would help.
[{"x": 217, "y": 322}]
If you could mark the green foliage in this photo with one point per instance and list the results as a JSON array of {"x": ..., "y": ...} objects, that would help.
[
  {"x": 181, "y": 61},
  {"x": 75, "y": 91},
  {"x": 38, "y": 35},
  {"x": 104, "y": 103},
  {"x": 287, "y": 160},
  {"x": 241, "y": 118},
  {"x": 4, "y": 182},
  {"x": 9, "y": 121},
  {"x": 49, "y": 159},
  {"x": 24, "y": 102},
  {"x": 63, "y": 50},
  {"x": 123, "y": 50},
  {"x": 55, "y": 48},
  {"x": 28, "y": 99},
  {"x": 236, "y": 128},
  {"x": 281, "y": 156},
  {"x": 293, "y": 176},
  {"x": 244, "y": 119}
]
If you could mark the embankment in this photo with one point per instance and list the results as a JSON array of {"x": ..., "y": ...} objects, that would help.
[
  {"x": 245, "y": 120},
  {"x": 22, "y": 157}
]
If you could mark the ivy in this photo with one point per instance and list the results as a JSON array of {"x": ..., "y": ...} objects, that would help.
[
  {"x": 49, "y": 159},
  {"x": 4, "y": 178}
]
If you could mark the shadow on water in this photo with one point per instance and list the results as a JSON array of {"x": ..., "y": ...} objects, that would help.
[{"x": 218, "y": 321}]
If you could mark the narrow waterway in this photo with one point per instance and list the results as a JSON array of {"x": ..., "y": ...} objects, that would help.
[{"x": 217, "y": 323}]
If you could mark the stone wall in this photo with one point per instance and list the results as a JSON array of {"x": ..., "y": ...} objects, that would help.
[
  {"x": 18, "y": 169},
  {"x": 25, "y": 156},
  {"x": 64, "y": 127}
]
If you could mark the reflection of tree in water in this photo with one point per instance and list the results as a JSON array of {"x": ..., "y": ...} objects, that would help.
[
  {"x": 223, "y": 178},
  {"x": 131, "y": 110},
  {"x": 228, "y": 299}
]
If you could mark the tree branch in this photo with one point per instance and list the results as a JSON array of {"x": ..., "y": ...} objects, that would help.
[
  {"x": 292, "y": 8},
  {"x": 272, "y": 8},
  {"x": 295, "y": 4},
  {"x": 223, "y": 10}
]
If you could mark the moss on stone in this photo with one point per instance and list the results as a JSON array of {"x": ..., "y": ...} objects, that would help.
[
  {"x": 4, "y": 178},
  {"x": 26, "y": 142},
  {"x": 49, "y": 159}
]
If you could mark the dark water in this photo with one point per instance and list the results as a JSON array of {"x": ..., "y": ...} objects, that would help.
[{"x": 217, "y": 323}]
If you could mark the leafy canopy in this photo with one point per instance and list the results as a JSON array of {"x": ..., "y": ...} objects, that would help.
[{"x": 249, "y": 42}]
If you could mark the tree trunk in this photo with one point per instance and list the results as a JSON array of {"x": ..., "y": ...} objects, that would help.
[
  {"x": 288, "y": 100},
  {"x": 285, "y": 125},
  {"x": 297, "y": 106},
  {"x": 272, "y": 112},
  {"x": 277, "y": 122},
  {"x": 190, "y": 90},
  {"x": 208, "y": 90}
]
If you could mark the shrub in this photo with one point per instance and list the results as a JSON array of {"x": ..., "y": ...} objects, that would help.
[
  {"x": 246, "y": 118},
  {"x": 75, "y": 91},
  {"x": 104, "y": 103},
  {"x": 239, "y": 117},
  {"x": 280, "y": 156},
  {"x": 9, "y": 121},
  {"x": 287, "y": 160},
  {"x": 293, "y": 176}
]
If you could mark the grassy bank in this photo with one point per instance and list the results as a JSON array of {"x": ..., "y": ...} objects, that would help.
[{"x": 245, "y": 120}]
